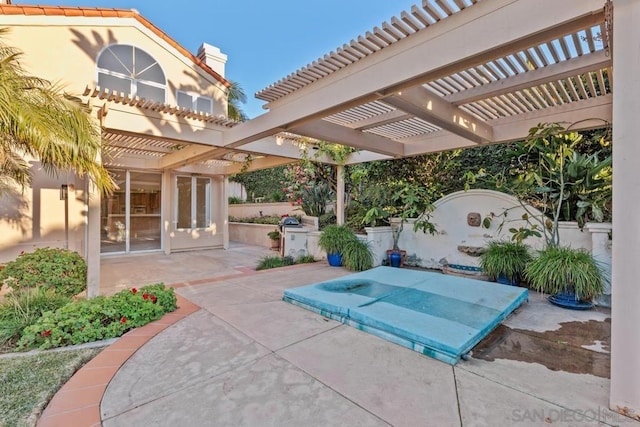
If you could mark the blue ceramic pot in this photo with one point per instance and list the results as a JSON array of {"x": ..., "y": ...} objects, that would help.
[
  {"x": 568, "y": 300},
  {"x": 335, "y": 260},
  {"x": 395, "y": 259},
  {"x": 503, "y": 280}
]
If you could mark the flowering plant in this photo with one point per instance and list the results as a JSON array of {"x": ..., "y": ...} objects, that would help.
[
  {"x": 298, "y": 178},
  {"x": 99, "y": 318}
]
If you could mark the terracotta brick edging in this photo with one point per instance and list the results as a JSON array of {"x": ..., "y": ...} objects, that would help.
[{"x": 77, "y": 403}]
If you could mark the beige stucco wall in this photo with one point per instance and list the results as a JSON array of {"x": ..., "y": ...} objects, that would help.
[
  {"x": 65, "y": 49},
  {"x": 35, "y": 217}
]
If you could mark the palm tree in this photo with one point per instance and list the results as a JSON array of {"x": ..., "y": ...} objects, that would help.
[
  {"x": 235, "y": 97},
  {"x": 39, "y": 121}
]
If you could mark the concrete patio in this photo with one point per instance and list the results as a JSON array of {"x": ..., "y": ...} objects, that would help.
[{"x": 248, "y": 358}]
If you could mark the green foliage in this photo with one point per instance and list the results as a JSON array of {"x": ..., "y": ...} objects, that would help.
[
  {"x": 559, "y": 269},
  {"x": 28, "y": 383},
  {"x": 562, "y": 175},
  {"x": 334, "y": 238},
  {"x": 235, "y": 200},
  {"x": 276, "y": 197},
  {"x": 503, "y": 258},
  {"x": 274, "y": 235},
  {"x": 268, "y": 262},
  {"x": 272, "y": 220},
  {"x": 59, "y": 269},
  {"x": 357, "y": 256},
  {"x": 235, "y": 97},
  {"x": 403, "y": 200},
  {"x": 262, "y": 183},
  {"x": 38, "y": 120},
  {"x": 99, "y": 318},
  {"x": 326, "y": 219},
  {"x": 305, "y": 259},
  {"x": 314, "y": 199},
  {"x": 23, "y": 308}
]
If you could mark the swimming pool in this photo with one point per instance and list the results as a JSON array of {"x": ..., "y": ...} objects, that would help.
[{"x": 437, "y": 315}]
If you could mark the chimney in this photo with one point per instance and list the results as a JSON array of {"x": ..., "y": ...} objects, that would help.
[{"x": 212, "y": 56}]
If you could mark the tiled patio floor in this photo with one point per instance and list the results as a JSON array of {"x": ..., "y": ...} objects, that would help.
[{"x": 245, "y": 357}]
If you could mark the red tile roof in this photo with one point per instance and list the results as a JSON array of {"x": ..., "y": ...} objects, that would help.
[{"x": 14, "y": 9}]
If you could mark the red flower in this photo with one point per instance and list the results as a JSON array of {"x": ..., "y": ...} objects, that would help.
[
  {"x": 154, "y": 299},
  {"x": 134, "y": 291},
  {"x": 145, "y": 296},
  {"x": 123, "y": 320},
  {"x": 45, "y": 333}
]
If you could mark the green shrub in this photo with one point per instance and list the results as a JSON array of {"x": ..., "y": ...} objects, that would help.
[
  {"x": 99, "y": 318},
  {"x": 504, "y": 258},
  {"x": 275, "y": 261},
  {"x": 356, "y": 255},
  {"x": 233, "y": 200},
  {"x": 20, "y": 309},
  {"x": 559, "y": 269},
  {"x": 326, "y": 219},
  {"x": 268, "y": 262},
  {"x": 334, "y": 238},
  {"x": 305, "y": 259},
  {"x": 274, "y": 235},
  {"x": 59, "y": 269}
]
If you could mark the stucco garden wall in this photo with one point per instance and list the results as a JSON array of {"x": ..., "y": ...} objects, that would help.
[
  {"x": 250, "y": 210},
  {"x": 454, "y": 232}
]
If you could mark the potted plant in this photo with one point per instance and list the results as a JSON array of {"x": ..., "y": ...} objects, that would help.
[
  {"x": 357, "y": 255},
  {"x": 409, "y": 201},
  {"x": 572, "y": 277},
  {"x": 333, "y": 239},
  {"x": 275, "y": 239},
  {"x": 505, "y": 261}
]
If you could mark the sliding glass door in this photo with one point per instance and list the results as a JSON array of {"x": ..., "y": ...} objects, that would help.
[{"x": 131, "y": 216}]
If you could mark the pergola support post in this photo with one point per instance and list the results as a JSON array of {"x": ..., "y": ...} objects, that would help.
[
  {"x": 340, "y": 194},
  {"x": 93, "y": 240},
  {"x": 225, "y": 212},
  {"x": 625, "y": 338}
]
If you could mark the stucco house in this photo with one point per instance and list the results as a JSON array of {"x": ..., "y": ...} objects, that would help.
[
  {"x": 153, "y": 100},
  {"x": 440, "y": 76}
]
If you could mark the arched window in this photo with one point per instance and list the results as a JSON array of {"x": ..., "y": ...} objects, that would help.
[{"x": 124, "y": 68}]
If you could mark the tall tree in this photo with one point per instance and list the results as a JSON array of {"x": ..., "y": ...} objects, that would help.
[
  {"x": 236, "y": 97},
  {"x": 38, "y": 120}
]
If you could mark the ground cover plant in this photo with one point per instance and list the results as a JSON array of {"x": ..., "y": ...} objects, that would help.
[
  {"x": 59, "y": 269},
  {"x": 23, "y": 308},
  {"x": 269, "y": 262},
  {"x": 98, "y": 318},
  {"x": 27, "y": 383}
]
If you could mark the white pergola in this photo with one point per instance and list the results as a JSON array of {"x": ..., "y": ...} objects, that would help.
[{"x": 459, "y": 73}]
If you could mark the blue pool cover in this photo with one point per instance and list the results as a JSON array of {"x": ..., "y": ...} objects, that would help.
[{"x": 437, "y": 315}]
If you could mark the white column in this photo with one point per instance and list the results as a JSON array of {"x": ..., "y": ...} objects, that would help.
[
  {"x": 167, "y": 210},
  {"x": 340, "y": 194},
  {"x": 625, "y": 298},
  {"x": 600, "y": 250},
  {"x": 225, "y": 213},
  {"x": 93, "y": 240}
]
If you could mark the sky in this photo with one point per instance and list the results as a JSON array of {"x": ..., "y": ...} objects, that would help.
[{"x": 265, "y": 40}]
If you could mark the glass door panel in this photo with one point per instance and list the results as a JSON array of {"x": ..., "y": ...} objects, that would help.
[
  {"x": 145, "y": 219},
  {"x": 113, "y": 216}
]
